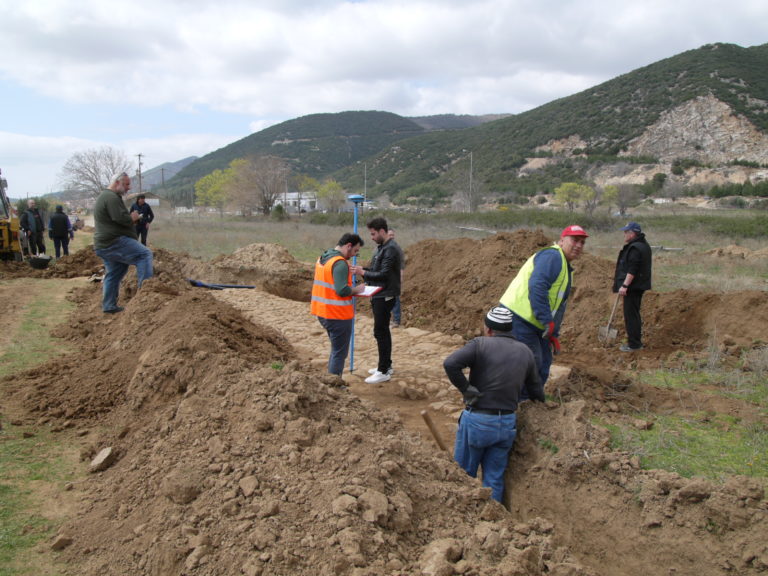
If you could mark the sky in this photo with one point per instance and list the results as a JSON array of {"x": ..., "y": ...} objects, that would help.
[{"x": 170, "y": 79}]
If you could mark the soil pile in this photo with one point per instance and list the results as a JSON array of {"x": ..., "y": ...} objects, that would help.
[
  {"x": 219, "y": 448},
  {"x": 450, "y": 284},
  {"x": 267, "y": 266},
  {"x": 226, "y": 455}
]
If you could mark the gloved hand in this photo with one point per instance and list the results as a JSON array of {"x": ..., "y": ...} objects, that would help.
[
  {"x": 549, "y": 330},
  {"x": 554, "y": 345},
  {"x": 471, "y": 396}
]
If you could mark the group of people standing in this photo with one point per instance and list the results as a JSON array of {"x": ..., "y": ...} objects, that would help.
[
  {"x": 60, "y": 229},
  {"x": 511, "y": 361},
  {"x": 334, "y": 287}
]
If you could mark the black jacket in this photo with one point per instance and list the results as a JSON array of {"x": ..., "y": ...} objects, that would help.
[
  {"x": 32, "y": 221},
  {"x": 384, "y": 270},
  {"x": 499, "y": 367},
  {"x": 635, "y": 258},
  {"x": 145, "y": 210},
  {"x": 59, "y": 225}
]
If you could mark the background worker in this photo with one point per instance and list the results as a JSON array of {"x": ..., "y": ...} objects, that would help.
[
  {"x": 397, "y": 311},
  {"x": 500, "y": 369},
  {"x": 145, "y": 217},
  {"x": 631, "y": 279},
  {"x": 116, "y": 243},
  {"x": 31, "y": 222},
  {"x": 383, "y": 271},
  {"x": 60, "y": 231},
  {"x": 332, "y": 293},
  {"x": 539, "y": 293}
]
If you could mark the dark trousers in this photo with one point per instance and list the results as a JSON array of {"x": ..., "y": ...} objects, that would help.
[
  {"x": 633, "y": 323},
  {"x": 36, "y": 243},
  {"x": 530, "y": 335},
  {"x": 340, "y": 334},
  {"x": 382, "y": 308},
  {"x": 142, "y": 233},
  {"x": 61, "y": 243}
]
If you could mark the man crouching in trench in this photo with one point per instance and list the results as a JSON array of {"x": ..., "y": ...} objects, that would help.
[{"x": 499, "y": 368}]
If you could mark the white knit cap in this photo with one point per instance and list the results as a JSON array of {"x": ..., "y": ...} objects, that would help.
[{"x": 499, "y": 318}]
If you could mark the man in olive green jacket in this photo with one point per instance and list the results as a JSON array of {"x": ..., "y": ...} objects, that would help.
[{"x": 116, "y": 242}]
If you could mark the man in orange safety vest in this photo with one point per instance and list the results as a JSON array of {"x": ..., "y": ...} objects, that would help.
[{"x": 332, "y": 293}]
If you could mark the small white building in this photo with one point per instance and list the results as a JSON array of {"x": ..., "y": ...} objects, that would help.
[{"x": 295, "y": 202}]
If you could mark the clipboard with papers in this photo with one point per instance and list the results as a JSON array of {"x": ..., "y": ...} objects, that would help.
[{"x": 369, "y": 291}]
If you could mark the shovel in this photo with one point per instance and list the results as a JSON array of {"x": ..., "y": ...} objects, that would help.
[{"x": 606, "y": 334}]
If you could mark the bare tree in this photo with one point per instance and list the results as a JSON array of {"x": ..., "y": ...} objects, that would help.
[
  {"x": 628, "y": 195},
  {"x": 257, "y": 183},
  {"x": 90, "y": 171}
]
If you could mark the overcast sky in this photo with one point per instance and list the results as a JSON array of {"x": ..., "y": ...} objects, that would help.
[{"x": 170, "y": 79}]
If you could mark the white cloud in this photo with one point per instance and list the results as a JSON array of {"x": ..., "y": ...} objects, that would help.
[{"x": 273, "y": 60}]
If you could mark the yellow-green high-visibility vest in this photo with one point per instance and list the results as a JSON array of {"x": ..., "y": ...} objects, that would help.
[{"x": 516, "y": 296}]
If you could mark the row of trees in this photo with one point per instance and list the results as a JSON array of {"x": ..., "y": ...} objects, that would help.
[
  {"x": 250, "y": 185},
  {"x": 255, "y": 185},
  {"x": 573, "y": 194}
]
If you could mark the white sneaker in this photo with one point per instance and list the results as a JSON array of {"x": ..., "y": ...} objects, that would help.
[
  {"x": 378, "y": 377},
  {"x": 389, "y": 372}
]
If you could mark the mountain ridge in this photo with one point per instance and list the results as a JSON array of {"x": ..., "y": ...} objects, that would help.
[{"x": 653, "y": 115}]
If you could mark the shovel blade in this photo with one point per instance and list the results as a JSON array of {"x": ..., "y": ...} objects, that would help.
[{"x": 607, "y": 335}]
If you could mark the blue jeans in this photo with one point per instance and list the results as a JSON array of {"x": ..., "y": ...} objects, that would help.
[
  {"x": 122, "y": 253},
  {"x": 530, "y": 335},
  {"x": 485, "y": 440},
  {"x": 396, "y": 311},
  {"x": 59, "y": 244},
  {"x": 340, "y": 333}
]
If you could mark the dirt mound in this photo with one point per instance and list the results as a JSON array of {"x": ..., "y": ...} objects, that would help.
[
  {"x": 738, "y": 253},
  {"x": 231, "y": 453},
  {"x": 84, "y": 262},
  {"x": 119, "y": 363},
  {"x": 731, "y": 251},
  {"x": 451, "y": 283},
  {"x": 267, "y": 266},
  {"x": 228, "y": 456},
  {"x": 623, "y": 520}
]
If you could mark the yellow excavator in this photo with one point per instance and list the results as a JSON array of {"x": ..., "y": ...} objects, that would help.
[{"x": 10, "y": 237}]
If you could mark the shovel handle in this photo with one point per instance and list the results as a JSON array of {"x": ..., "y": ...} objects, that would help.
[
  {"x": 613, "y": 312},
  {"x": 433, "y": 429}
]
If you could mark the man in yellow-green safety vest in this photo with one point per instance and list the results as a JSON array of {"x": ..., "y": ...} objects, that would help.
[{"x": 538, "y": 295}]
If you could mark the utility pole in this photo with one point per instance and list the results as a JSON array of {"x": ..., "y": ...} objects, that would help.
[
  {"x": 139, "y": 171},
  {"x": 469, "y": 207},
  {"x": 162, "y": 177}
]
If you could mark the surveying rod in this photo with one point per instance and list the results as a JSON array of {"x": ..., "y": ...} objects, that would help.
[{"x": 357, "y": 199}]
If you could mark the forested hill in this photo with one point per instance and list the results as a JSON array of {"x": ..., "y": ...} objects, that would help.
[
  {"x": 601, "y": 123},
  {"x": 708, "y": 105},
  {"x": 316, "y": 145}
]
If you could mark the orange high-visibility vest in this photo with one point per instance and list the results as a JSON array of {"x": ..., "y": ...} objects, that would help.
[{"x": 325, "y": 302}]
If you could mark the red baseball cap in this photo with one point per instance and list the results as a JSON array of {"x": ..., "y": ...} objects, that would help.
[{"x": 574, "y": 230}]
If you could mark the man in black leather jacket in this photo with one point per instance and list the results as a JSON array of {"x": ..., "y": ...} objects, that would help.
[
  {"x": 631, "y": 279},
  {"x": 384, "y": 271}
]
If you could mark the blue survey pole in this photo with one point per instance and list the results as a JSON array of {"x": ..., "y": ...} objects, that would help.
[{"x": 357, "y": 200}]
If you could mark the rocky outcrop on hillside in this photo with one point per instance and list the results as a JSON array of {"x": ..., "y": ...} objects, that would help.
[{"x": 703, "y": 129}]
